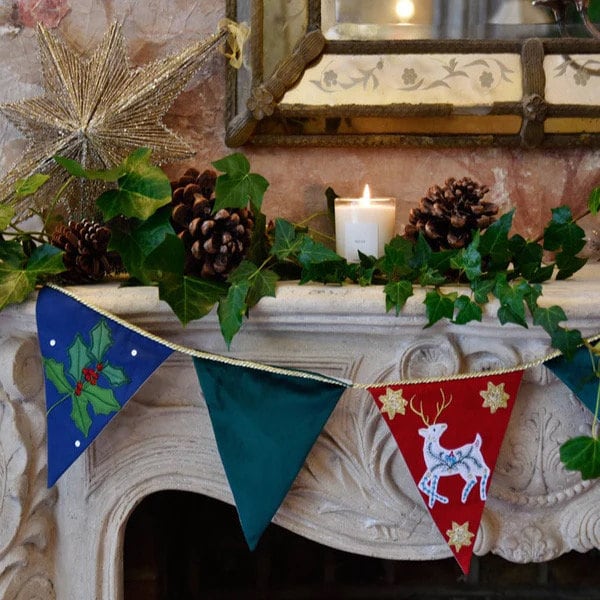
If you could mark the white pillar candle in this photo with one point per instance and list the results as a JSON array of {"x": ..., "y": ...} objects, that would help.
[{"x": 364, "y": 224}]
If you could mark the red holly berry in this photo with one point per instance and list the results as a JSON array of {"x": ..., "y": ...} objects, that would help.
[{"x": 78, "y": 388}]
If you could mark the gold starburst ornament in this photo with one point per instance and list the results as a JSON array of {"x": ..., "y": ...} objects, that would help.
[
  {"x": 494, "y": 397},
  {"x": 459, "y": 535},
  {"x": 393, "y": 403},
  {"x": 96, "y": 109}
]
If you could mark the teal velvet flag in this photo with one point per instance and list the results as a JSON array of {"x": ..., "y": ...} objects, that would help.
[
  {"x": 265, "y": 425},
  {"x": 578, "y": 375}
]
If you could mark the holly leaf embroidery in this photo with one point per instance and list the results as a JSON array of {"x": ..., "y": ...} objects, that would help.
[
  {"x": 115, "y": 375},
  {"x": 80, "y": 415},
  {"x": 55, "y": 372},
  {"x": 79, "y": 357},
  {"x": 103, "y": 400},
  {"x": 101, "y": 339}
]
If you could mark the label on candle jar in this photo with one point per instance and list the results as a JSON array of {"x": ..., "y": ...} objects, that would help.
[{"x": 363, "y": 237}]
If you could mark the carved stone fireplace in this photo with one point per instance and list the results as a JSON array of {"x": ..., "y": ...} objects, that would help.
[{"x": 354, "y": 492}]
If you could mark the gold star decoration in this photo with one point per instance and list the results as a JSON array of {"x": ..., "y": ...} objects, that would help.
[
  {"x": 97, "y": 110},
  {"x": 459, "y": 535},
  {"x": 393, "y": 403},
  {"x": 494, "y": 397}
]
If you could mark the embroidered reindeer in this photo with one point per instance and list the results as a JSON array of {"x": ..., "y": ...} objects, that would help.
[{"x": 466, "y": 461}]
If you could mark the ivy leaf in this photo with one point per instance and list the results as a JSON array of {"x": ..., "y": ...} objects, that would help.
[
  {"x": 15, "y": 285},
  {"x": 135, "y": 241},
  {"x": 116, "y": 376},
  {"x": 103, "y": 400},
  {"x": 167, "y": 257},
  {"x": 549, "y": 318},
  {"x": 55, "y": 372},
  {"x": 482, "y": 288},
  {"x": 466, "y": 310},
  {"x": 594, "y": 201},
  {"x": 468, "y": 260},
  {"x": 45, "y": 260},
  {"x": 237, "y": 186},
  {"x": 563, "y": 232},
  {"x": 311, "y": 252},
  {"x": 334, "y": 271},
  {"x": 287, "y": 239},
  {"x": 422, "y": 252},
  {"x": 567, "y": 341},
  {"x": 188, "y": 297},
  {"x": 441, "y": 261},
  {"x": 527, "y": 259},
  {"x": 101, "y": 341},
  {"x": 396, "y": 294},
  {"x": 27, "y": 187},
  {"x": 429, "y": 276},
  {"x": 7, "y": 213},
  {"x": 494, "y": 242},
  {"x": 396, "y": 263},
  {"x": 582, "y": 454},
  {"x": 262, "y": 282},
  {"x": 232, "y": 309},
  {"x": 512, "y": 301},
  {"x": 80, "y": 415},
  {"x": 568, "y": 264},
  {"x": 259, "y": 243},
  {"x": 79, "y": 357},
  {"x": 17, "y": 278},
  {"x": 439, "y": 306},
  {"x": 141, "y": 191},
  {"x": 12, "y": 253}
]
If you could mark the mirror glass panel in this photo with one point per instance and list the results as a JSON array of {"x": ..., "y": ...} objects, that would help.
[{"x": 438, "y": 19}]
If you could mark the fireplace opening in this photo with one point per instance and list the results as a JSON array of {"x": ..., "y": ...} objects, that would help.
[{"x": 184, "y": 546}]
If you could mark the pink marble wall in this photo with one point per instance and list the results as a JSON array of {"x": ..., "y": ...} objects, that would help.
[{"x": 531, "y": 181}]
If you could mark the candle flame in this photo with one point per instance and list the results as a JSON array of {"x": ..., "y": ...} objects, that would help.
[{"x": 366, "y": 197}]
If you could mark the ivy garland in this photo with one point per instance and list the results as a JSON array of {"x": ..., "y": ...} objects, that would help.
[{"x": 495, "y": 264}]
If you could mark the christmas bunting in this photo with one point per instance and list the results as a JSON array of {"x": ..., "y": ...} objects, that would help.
[
  {"x": 266, "y": 419},
  {"x": 265, "y": 425},
  {"x": 449, "y": 433},
  {"x": 92, "y": 366}
]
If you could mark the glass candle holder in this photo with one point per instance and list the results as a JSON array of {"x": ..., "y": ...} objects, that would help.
[{"x": 366, "y": 224}]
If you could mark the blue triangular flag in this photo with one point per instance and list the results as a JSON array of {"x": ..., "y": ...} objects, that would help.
[
  {"x": 265, "y": 424},
  {"x": 578, "y": 375},
  {"x": 92, "y": 366}
]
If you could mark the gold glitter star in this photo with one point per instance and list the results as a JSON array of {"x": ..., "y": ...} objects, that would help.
[
  {"x": 459, "y": 535},
  {"x": 97, "y": 110},
  {"x": 494, "y": 397},
  {"x": 393, "y": 402}
]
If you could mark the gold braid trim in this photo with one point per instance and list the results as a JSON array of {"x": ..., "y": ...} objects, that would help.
[
  {"x": 249, "y": 364},
  {"x": 235, "y": 362}
]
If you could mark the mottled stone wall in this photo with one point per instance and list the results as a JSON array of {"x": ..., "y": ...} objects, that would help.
[{"x": 531, "y": 181}]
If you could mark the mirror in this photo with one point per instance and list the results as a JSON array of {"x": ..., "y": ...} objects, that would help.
[{"x": 426, "y": 72}]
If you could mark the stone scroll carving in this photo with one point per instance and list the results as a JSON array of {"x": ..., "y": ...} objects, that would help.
[
  {"x": 26, "y": 505},
  {"x": 368, "y": 503}
]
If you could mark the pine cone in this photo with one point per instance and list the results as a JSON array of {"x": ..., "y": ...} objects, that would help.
[
  {"x": 214, "y": 243},
  {"x": 448, "y": 215},
  {"x": 85, "y": 246}
]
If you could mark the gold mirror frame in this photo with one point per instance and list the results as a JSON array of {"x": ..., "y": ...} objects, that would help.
[{"x": 550, "y": 100}]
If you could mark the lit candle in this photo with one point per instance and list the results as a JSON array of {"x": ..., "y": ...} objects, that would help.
[{"x": 365, "y": 224}]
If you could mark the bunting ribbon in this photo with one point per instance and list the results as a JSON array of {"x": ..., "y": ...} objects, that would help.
[{"x": 267, "y": 418}]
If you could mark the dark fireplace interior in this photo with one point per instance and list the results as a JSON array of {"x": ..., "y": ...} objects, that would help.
[{"x": 184, "y": 546}]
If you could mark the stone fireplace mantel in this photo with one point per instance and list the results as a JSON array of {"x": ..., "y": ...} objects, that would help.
[{"x": 354, "y": 492}]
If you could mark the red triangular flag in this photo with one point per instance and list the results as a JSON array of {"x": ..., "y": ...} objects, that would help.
[{"x": 450, "y": 433}]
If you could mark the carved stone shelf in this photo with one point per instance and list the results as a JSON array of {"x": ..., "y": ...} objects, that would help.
[{"x": 354, "y": 491}]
